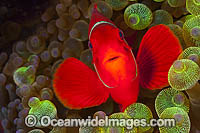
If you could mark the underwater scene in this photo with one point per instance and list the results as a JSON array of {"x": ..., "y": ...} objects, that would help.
[{"x": 100, "y": 66}]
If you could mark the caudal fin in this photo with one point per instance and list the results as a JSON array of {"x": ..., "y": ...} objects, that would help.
[
  {"x": 158, "y": 50},
  {"x": 77, "y": 86}
]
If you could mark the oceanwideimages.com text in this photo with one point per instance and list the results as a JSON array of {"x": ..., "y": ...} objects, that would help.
[{"x": 45, "y": 121}]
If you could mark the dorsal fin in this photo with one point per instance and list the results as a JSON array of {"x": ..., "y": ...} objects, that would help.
[{"x": 97, "y": 17}]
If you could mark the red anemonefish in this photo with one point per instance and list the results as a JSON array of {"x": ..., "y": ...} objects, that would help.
[{"x": 118, "y": 72}]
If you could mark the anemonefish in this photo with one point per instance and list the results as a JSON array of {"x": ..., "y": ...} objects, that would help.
[{"x": 117, "y": 72}]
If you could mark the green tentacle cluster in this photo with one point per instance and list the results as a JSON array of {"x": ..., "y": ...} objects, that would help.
[
  {"x": 183, "y": 74},
  {"x": 117, "y": 4},
  {"x": 171, "y": 98},
  {"x": 117, "y": 128},
  {"x": 41, "y": 108},
  {"x": 138, "y": 16},
  {"x": 191, "y": 32},
  {"x": 182, "y": 120},
  {"x": 192, "y": 53},
  {"x": 139, "y": 111},
  {"x": 193, "y": 6},
  {"x": 24, "y": 75}
]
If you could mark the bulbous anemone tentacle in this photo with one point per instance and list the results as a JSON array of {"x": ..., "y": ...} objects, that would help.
[
  {"x": 191, "y": 32},
  {"x": 139, "y": 111},
  {"x": 193, "y": 6},
  {"x": 171, "y": 98},
  {"x": 183, "y": 74},
  {"x": 182, "y": 120},
  {"x": 192, "y": 53},
  {"x": 138, "y": 16}
]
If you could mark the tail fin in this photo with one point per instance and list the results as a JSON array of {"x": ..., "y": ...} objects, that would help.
[
  {"x": 77, "y": 86},
  {"x": 158, "y": 50}
]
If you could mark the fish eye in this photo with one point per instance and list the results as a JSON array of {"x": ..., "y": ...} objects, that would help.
[
  {"x": 89, "y": 44},
  {"x": 121, "y": 35}
]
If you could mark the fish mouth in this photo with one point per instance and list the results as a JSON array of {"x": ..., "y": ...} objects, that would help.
[{"x": 113, "y": 58}]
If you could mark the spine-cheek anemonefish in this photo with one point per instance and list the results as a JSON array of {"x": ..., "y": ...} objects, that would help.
[{"x": 117, "y": 72}]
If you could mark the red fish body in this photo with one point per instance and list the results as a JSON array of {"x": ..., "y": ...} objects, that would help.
[
  {"x": 115, "y": 63},
  {"x": 118, "y": 73}
]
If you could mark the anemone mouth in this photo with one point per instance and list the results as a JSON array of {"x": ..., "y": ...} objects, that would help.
[
  {"x": 195, "y": 32},
  {"x": 134, "y": 19},
  {"x": 178, "y": 99},
  {"x": 194, "y": 58},
  {"x": 178, "y": 66},
  {"x": 179, "y": 118}
]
